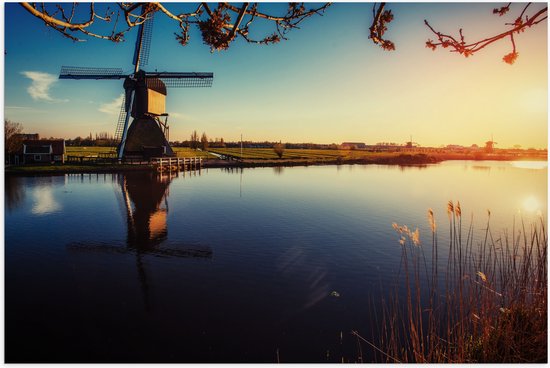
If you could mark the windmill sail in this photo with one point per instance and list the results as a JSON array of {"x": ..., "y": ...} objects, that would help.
[
  {"x": 76, "y": 72},
  {"x": 182, "y": 80},
  {"x": 121, "y": 120},
  {"x": 143, "y": 42}
]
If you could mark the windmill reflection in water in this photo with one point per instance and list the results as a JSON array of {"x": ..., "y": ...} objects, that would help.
[{"x": 143, "y": 200}]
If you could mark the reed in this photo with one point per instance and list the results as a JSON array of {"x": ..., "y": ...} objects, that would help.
[{"x": 484, "y": 301}]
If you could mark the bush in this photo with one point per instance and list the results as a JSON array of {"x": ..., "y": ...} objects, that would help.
[{"x": 279, "y": 149}]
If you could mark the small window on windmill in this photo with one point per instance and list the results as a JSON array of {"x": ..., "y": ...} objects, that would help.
[{"x": 156, "y": 96}]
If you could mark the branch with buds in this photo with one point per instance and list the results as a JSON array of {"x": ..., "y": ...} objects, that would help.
[
  {"x": 459, "y": 44},
  {"x": 219, "y": 25},
  {"x": 381, "y": 18}
]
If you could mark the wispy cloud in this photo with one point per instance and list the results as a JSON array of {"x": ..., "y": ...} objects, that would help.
[
  {"x": 26, "y": 109},
  {"x": 178, "y": 115},
  {"x": 113, "y": 107},
  {"x": 39, "y": 89}
]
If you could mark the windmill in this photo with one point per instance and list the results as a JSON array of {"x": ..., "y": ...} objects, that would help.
[
  {"x": 144, "y": 97},
  {"x": 490, "y": 145},
  {"x": 410, "y": 144}
]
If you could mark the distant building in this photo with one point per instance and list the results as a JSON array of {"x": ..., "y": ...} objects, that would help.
[
  {"x": 385, "y": 147},
  {"x": 42, "y": 151},
  {"x": 353, "y": 145},
  {"x": 454, "y": 148}
]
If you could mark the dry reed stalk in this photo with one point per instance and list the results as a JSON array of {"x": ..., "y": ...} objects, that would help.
[{"x": 489, "y": 307}]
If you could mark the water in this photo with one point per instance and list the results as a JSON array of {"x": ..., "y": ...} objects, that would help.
[{"x": 228, "y": 265}]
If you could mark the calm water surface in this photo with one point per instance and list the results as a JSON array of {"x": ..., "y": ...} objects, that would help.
[{"x": 227, "y": 266}]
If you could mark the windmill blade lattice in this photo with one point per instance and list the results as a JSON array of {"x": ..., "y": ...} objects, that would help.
[
  {"x": 121, "y": 120},
  {"x": 182, "y": 80},
  {"x": 76, "y": 72},
  {"x": 187, "y": 83},
  {"x": 143, "y": 43},
  {"x": 146, "y": 40}
]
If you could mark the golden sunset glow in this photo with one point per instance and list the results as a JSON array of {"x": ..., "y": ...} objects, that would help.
[{"x": 531, "y": 204}]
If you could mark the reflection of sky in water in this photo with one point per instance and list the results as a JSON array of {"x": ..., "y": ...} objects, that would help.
[
  {"x": 44, "y": 201},
  {"x": 536, "y": 165},
  {"x": 301, "y": 252}
]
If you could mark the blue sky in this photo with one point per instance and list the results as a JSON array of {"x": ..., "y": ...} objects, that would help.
[{"x": 327, "y": 83}]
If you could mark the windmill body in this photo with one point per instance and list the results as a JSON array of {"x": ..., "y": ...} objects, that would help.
[{"x": 144, "y": 98}]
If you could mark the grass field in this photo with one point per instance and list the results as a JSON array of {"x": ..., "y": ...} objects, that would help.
[
  {"x": 306, "y": 154},
  {"x": 248, "y": 153},
  {"x": 317, "y": 155},
  {"x": 88, "y": 151},
  {"x": 95, "y": 151}
]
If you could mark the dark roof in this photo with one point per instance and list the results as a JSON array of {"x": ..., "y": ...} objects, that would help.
[
  {"x": 156, "y": 85},
  {"x": 43, "y": 146},
  {"x": 38, "y": 149}
]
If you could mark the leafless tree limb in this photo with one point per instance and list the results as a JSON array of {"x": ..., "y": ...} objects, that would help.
[
  {"x": 521, "y": 23},
  {"x": 220, "y": 24}
]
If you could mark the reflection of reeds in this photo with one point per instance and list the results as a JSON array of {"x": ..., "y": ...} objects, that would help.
[{"x": 488, "y": 305}]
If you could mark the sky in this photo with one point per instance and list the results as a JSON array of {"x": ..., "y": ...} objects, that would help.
[{"x": 328, "y": 83}]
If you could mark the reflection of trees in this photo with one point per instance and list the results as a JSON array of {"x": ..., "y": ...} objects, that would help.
[
  {"x": 278, "y": 170},
  {"x": 14, "y": 192},
  {"x": 412, "y": 167}
]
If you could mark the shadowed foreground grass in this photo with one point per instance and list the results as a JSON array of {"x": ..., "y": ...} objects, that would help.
[{"x": 484, "y": 302}]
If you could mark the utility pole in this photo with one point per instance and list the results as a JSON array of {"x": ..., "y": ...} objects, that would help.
[{"x": 241, "y": 146}]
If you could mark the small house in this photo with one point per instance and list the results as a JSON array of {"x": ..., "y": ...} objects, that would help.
[{"x": 43, "y": 151}]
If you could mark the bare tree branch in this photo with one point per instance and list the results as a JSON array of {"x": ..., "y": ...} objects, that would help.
[
  {"x": 220, "y": 24},
  {"x": 49, "y": 20},
  {"x": 520, "y": 24}
]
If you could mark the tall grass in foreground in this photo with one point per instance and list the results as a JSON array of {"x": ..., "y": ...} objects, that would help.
[{"x": 484, "y": 301}]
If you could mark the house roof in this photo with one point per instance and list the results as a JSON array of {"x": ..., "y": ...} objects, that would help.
[
  {"x": 37, "y": 149},
  {"x": 43, "y": 146}
]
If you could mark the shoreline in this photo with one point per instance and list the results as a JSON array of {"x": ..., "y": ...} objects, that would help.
[{"x": 400, "y": 160}]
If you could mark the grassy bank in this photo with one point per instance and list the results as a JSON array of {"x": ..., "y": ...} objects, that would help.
[
  {"x": 486, "y": 302},
  {"x": 254, "y": 157},
  {"x": 359, "y": 155},
  {"x": 76, "y": 168},
  {"x": 316, "y": 155}
]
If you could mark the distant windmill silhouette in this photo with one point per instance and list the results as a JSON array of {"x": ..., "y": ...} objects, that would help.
[
  {"x": 410, "y": 144},
  {"x": 490, "y": 145},
  {"x": 144, "y": 96}
]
